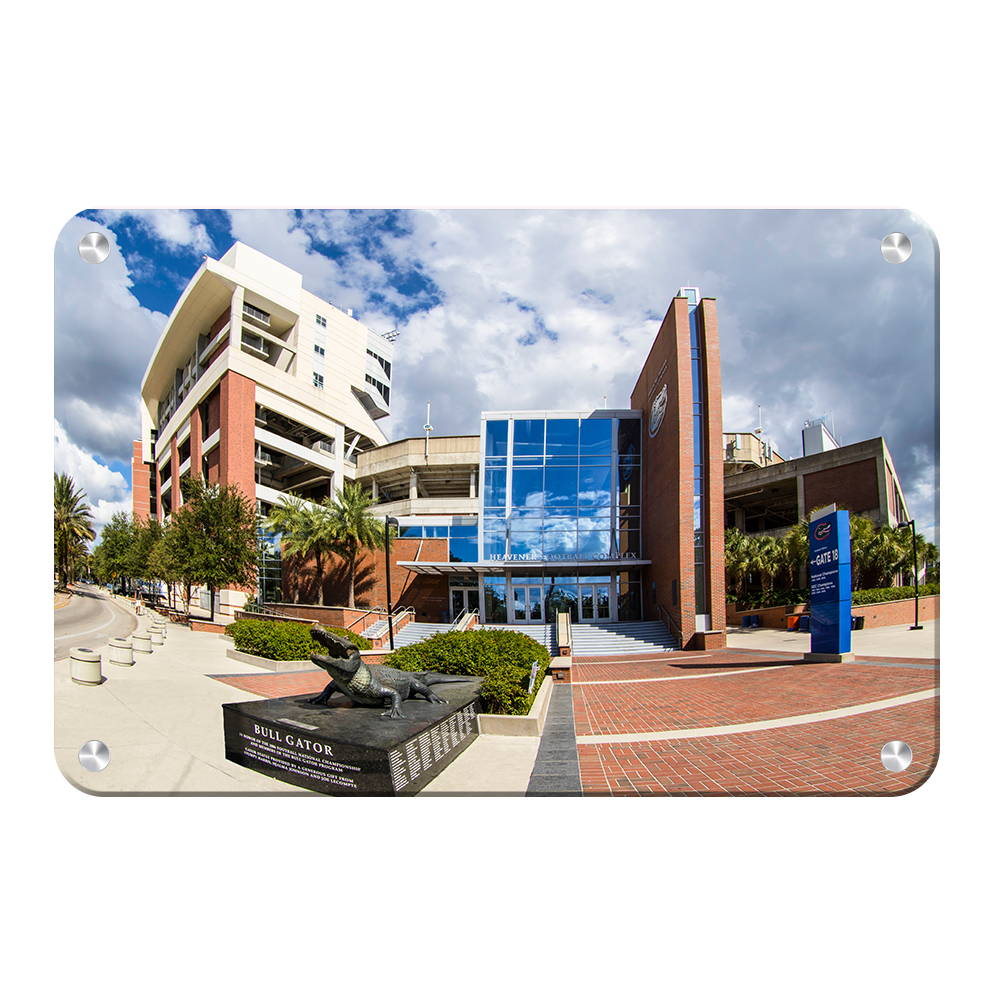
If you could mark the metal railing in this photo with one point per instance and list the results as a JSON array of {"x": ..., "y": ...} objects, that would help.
[
  {"x": 382, "y": 628},
  {"x": 670, "y": 623},
  {"x": 462, "y": 622}
]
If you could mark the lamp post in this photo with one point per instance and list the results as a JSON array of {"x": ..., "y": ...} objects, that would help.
[
  {"x": 916, "y": 626},
  {"x": 388, "y": 585}
]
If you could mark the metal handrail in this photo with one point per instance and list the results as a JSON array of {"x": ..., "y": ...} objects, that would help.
[
  {"x": 384, "y": 625},
  {"x": 461, "y": 623},
  {"x": 670, "y": 623},
  {"x": 377, "y": 610}
]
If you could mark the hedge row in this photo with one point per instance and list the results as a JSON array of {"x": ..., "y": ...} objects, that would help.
[
  {"x": 502, "y": 657},
  {"x": 880, "y": 594},
  {"x": 776, "y": 598},
  {"x": 282, "y": 640}
]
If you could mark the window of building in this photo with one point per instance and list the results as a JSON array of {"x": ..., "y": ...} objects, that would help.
[
  {"x": 317, "y": 380},
  {"x": 321, "y": 351},
  {"x": 321, "y": 320}
]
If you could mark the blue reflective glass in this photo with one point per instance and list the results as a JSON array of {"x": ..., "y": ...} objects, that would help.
[
  {"x": 696, "y": 381},
  {"x": 409, "y": 531},
  {"x": 464, "y": 531},
  {"x": 436, "y": 531},
  {"x": 697, "y": 513},
  {"x": 526, "y": 488},
  {"x": 559, "y": 536},
  {"x": 595, "y": 437},
  {"x": 524, "y": 524},
  {"x": 527, "y": 461},
  {"x": 495, "y": 488},
  {"x": 593, "y": 543},
  {"x": 562, "y": 437},
  {"x": 529, "y": 436},
  {"x": 594, "y": 517},
  {"x": 562, "y": 460},
  {"x": 463, "y": 550},
  {"x": 595, "y": 485},
  {"x": 560, "y": 485},
  {"x": 526, "y": 545},
  {"x": 697, "y": 440},
  {"x": 494, "y": 544},
  {"x": 630, "y": 437},
  {"x": 496, "y": 437},
  {"x": 551, "y": 512},
  {"x": 496, "y": 463}
]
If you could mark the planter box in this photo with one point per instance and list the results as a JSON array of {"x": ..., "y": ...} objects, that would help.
[
  {"x": 531, "y": 724},
  {"x": 280, "y": 666}
]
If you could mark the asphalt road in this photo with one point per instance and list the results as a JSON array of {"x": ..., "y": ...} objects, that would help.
[{"x": 90, "y": 619}]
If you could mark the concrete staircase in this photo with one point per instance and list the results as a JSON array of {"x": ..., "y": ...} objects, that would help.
[
  {"x": 414, "y": 632},
  {"x": 621, "y": 638},
  {"x": 544, "y": 635}
]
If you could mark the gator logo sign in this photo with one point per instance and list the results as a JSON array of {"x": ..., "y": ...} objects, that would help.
[
  {"x": 657, "y": 412},
  {"x": 822, "y": 530}
]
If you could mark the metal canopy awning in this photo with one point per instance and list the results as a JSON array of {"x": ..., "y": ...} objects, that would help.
[{"x": 525, "y": 566}]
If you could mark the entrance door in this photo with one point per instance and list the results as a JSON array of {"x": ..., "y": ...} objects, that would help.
[
  {"x": 594, "y": 602},
  {"x": 463, "y": 599},
  {"x": 528, "y": 604}
]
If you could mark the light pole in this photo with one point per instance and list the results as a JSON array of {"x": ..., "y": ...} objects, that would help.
[
  {"x": 916, "y": 626},
  {"x": 388, "y": 585}
]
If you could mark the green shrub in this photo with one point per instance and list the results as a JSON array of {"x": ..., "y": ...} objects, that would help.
[
  {"x": 282, "y": 640},
  {"x": 880, "y": 594},
  {"x": 501, "y": 656},
  {"x": 776, "y": 598}
]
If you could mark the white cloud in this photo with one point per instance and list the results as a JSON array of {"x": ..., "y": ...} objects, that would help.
[
  {"x": 174, "y": 226},
  {"x": 103, "y": 341},
  {"x": 96, "y": 480}
]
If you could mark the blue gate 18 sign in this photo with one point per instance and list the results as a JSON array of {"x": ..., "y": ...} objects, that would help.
[{"x": 830, "y": 582}]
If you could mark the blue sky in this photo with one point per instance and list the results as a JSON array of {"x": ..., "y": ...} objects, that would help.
[{"x": 529, "y": 307}]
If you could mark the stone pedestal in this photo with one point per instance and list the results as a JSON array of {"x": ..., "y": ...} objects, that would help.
[{"x": 347, "y": 749}]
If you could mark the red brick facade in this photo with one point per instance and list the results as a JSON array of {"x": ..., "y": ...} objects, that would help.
[
  {"x": 851, "y": 487},
  {"x": 237, "y": 395},
  {"x": 428, "y": 594},
  {"x": 140, "y": 484},
  {"x": 875, "y": 615},
  {"x": 667, "y": 466}
]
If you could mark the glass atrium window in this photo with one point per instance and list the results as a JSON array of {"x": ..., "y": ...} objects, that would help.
[{"x": 496, "y": 437}]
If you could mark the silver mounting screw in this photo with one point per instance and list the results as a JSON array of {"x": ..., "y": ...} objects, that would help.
[
  {"x": 94, "y": 248},
  {"x": 896, "y": 756},
  {"x": 94, "y": 755},
  {"x": 896, "y": 248}
]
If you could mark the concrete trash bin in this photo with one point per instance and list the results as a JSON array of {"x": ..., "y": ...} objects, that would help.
[
  {"x": 142, "y": 642},
  {"x": 121, "y": 652},
  {"x": 85, "y": 666}
]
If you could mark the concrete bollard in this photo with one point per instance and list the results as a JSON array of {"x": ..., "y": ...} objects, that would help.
[
  {"x": 155, "y": 637},
  {"x": 121, "y": 652},
  {"x": 141, "y": 642},
  {"x": 85, "y": 666}
]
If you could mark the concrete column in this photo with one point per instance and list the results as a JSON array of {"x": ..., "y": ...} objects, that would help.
[
  {"x": 413, "y": 485},
  {"x": 472, "y": 484},
  {"x": 374, "y": 490}
]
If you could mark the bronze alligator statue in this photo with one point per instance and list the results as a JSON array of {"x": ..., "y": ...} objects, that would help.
[{"x": 368, "y": 685}]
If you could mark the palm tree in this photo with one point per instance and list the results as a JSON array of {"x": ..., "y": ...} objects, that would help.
[
  {"x": 737, "y": 559},
  {"x": 306, "y": 529},
  {"x": 767, "y": 558},
  {"x": 355, "y": 528},
  {"x": 73, "y": 525}
]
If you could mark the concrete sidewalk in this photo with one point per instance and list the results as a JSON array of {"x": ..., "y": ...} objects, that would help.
[
  {"x": 162, "y": 721},
  {"x": 893, "y": 640}
]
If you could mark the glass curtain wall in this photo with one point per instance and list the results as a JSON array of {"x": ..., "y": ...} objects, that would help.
[{"x": 561, "y": 489}]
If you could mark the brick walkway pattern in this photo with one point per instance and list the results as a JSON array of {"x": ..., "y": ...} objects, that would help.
[{"x": 616, "y": 703}]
